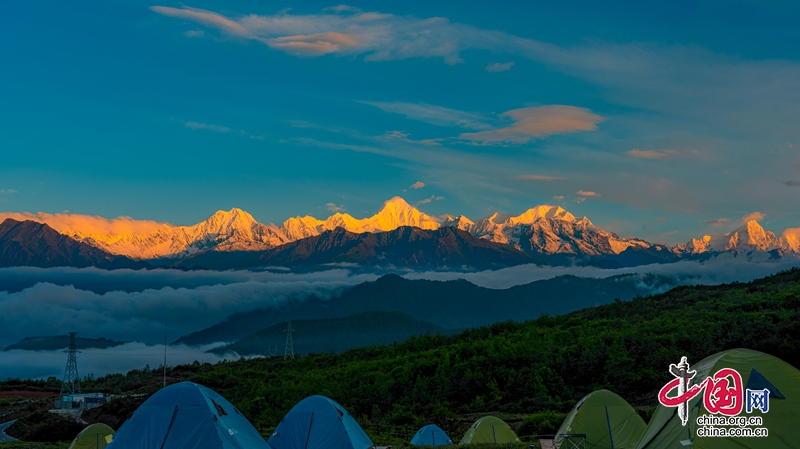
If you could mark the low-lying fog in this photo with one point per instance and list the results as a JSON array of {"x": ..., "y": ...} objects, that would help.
[{"x": 131, "y": 305}]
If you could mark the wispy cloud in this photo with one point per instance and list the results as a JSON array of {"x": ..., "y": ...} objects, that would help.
[
  {"x": 498, "y": 67},
  {"x": 652, "y": 154},
  {"x": 334, "y": 208},
  {"x": 195, "y": 33},
  {"x": 537, "y": 177},
  {"x": 7, "y": 192},
  {"x": 207, "y": 18},
  {"x": 542, "y": 121},
  {"x": 404, "y": 137},
  {"x": 417, "y": 185},
  {"x": 558, "y": 197},
  {"x": 215, "y": 128},
  {"x": 66, "y": 223},
  {"x": 315, "y": 44},
  {"x": 757, "y": 216},
  {"x": 435, "y": 115},
  {"x": 717, "y": 221},
  {"x": 792, "y": 183},
  {"x": 587, "y": 193},
  {"x": 428, "y": 200}
]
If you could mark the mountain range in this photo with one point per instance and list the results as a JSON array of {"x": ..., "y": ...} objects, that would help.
[
  {"x": 332, "y": 334},
  {"x": 399, "y": 235},
  {"x": 450, "y": 305}
]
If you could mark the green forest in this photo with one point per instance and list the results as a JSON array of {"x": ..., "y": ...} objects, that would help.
[{"x": 530, "y": 372}]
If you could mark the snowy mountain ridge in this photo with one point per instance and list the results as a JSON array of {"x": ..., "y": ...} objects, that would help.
[{"x": 543, "y": 230}]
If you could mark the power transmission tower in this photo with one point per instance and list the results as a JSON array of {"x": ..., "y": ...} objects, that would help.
[
  {"x": 71, "y": 383},
  {"x": 271, "y": 352},
  {"x": 289, "y": 352}
]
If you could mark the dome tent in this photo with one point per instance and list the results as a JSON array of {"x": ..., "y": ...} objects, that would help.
[
  {"x": 318, "y": 422},
  {"x": 489, "y": 429},
  {"x": 95, "y": 436},
  {"x": 431, "y": 435},
  {"x": 603, "y": 416},
  {"x": 758, "y": 371},
  {"x": 187, "y": 416}
]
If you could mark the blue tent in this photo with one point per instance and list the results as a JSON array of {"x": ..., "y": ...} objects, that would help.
[
  {"x": 187, "y": 416},
  {"x": 317, "y": 422},
  {"x": 431, "y": 435}
]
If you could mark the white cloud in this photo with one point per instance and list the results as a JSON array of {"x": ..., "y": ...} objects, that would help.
[
  {"x": 717, "y": 270},
  {"x": 7, "y": 192},
  {"x": 428, "y": 200},
  {"x": 498, "y": 67},
  {"x": 757, "y": 216},
  {"x": 50, "y": 309},
  {"x": 99, "y": 362},
  {"x": 215, "y": 128},
  {"x": 334, "y": 208}
]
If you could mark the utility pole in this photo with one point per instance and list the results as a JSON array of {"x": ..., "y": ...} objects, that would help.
[
  {"x": 289, "y": 352},
  {"x": 72, "y": 382}
]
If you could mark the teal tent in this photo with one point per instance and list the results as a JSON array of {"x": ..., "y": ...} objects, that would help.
[
  {"x": 318, "y": 422},
  {"x": 431, "y": 435},
  {"x": 187, "y": 416}
]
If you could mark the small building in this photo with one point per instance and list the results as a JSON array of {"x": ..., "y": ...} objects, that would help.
[{"x": 82, "y": 401}]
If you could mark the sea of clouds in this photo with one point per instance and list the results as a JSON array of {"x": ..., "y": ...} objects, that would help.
[{"x": 135, "y": 306}]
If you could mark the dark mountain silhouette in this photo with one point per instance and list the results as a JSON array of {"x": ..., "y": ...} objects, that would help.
[
  {"x": 61, "y": 342},
  {"x": 31, "y": 244},
  {"x": 406, "y": 247},
  {"x": 452, "y": 305}
]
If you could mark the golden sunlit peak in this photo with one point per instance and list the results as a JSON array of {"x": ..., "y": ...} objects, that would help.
[{"x": 397, "y": 202}]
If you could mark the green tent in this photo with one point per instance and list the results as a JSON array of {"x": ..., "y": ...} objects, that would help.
[
  {"x": 603, "y": 416},
  {"x": 489, "y": 430},
  {"x": 95, "y": 436},
  {"x": 758, "y": 371}
]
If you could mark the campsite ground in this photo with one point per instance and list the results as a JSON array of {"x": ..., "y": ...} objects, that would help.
[{"x": 30, "y": 445}]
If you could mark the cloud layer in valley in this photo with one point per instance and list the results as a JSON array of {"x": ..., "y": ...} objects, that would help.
[
  {"x": 49, "y": 309},
  {"x": 119, "y": 359}
]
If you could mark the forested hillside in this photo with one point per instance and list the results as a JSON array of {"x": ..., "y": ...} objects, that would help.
[{"x": 516, "y": 368}]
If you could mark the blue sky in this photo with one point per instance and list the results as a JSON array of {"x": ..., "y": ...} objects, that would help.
[{"x": 660, "y": 122}]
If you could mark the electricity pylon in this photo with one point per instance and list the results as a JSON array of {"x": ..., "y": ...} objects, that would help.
[
  {"x": 72, "y": 382},
  {"x": 289, "y": 352}
]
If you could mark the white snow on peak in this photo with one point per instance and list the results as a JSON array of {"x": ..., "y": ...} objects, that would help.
[
  {"x": 748, "y": 237},
  {"x": 544, "y": 229}
]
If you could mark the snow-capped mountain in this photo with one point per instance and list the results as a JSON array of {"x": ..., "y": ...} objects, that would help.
[
  {"x": 749, "y": 237},
  {"x": 235, "y": 230},
  {"x": 540, "y": 231},
  {"x": 548, "y": 230},
  {"x": 395, "y": 213}
]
